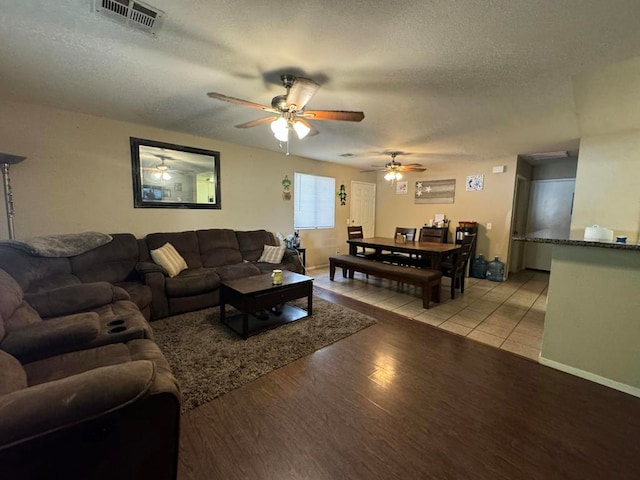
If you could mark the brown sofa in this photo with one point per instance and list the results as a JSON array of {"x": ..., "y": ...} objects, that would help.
[
  {"x": 212, "y": 255},
  {"x": 85, "y": 394}
]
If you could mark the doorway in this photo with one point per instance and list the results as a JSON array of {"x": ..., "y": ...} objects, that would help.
[
  {"x": 363, "y": 207},
  {"x": 519, "y": 223},
  {"x": 550, "y": 208}
]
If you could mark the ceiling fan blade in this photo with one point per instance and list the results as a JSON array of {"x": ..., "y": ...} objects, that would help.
[
  {"x": 411, "y": 169},
  {"x": 412, "y": 164},
  {"x": 301, "y": 92},
  {"x": 342, "y": 115},
  {"x": 258, "y": 121},
  {"x": 239, "y": 101},
  {"x": 373, "y": 170}
]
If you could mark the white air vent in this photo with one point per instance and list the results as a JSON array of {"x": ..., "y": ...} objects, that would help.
[{"x": 130, "y": 12}]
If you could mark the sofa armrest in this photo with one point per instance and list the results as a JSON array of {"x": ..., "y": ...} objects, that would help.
[
  {"x": 110, "y": 422},
  {"x": 75, "y": 298},
  {"x": 52, "y": 337},
  {"x": 154, "y": 278},
  {"x": 50, "y": 406},
  {"x": 148, "y": 267},
  {"x": 291, "y": 260}
]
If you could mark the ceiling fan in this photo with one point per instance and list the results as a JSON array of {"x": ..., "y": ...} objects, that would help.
[
  {"x": 394, "y": 169},
  {"x": 289, "y": 109},
  {"x": 160, "y": 170}
]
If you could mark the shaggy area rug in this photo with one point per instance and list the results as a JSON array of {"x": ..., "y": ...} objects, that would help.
[{"x": 209, "y": 359}]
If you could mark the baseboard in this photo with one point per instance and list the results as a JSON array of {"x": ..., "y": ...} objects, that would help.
[{"x": 607, "y": 382}]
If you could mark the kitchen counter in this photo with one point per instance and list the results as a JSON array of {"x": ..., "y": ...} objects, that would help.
[{"x": 576, "y": 238}]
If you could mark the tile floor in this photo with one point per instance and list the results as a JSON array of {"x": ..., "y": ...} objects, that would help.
[{"x": 507, "y": 315}]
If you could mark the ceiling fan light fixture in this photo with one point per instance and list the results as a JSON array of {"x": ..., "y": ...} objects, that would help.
[
  {"x": 280, "y": 129},
  {"x": 301, "y": 129},
  {"x": 392, "y": 176}
]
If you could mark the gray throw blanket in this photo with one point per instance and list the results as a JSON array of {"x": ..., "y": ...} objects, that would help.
[{"x": 63, "y": 245}]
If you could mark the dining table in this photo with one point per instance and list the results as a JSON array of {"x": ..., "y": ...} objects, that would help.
[{"x": 431, "y": 253}]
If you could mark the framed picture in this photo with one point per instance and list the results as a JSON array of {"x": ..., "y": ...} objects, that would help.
[
  {"x": 402, "y": 188},
  {"x": 435, "y": 191},
  {"x": 475, "y": 182},
  {"x": 156, "y": 167}
]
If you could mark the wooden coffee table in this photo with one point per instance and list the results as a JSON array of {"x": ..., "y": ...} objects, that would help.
[{"x": 257, "y": 294}]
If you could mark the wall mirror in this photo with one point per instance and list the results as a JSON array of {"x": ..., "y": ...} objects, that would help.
[{"x": 174, "y": 176}]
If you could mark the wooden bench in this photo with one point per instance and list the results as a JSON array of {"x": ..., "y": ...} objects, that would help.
[{"x": 428, "y": 279}]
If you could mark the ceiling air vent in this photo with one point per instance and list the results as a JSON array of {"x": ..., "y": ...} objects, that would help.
[{"x": 133, "y": 13}]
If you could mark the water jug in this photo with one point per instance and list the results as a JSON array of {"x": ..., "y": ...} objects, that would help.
[
  {"x": 495, "y": 270},
  {"x": 479, "y": 267}
]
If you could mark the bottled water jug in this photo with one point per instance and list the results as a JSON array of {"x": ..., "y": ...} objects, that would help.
[
  {"x": 495, "y": 270},
  {"x": 479, "y": 267}
]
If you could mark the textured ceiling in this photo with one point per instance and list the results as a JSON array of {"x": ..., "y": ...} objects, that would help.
[{"x": 441, "y": 79}]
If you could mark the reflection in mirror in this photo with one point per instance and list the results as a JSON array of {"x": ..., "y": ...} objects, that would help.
[{"x": 174, "y": 176}]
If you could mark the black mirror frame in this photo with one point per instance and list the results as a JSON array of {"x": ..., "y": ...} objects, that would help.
[{"x": 139, "y": 202}]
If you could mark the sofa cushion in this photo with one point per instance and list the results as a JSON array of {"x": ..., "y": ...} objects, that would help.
[
  {"x": 272, "y": 254},
  {"x": 169, "y": 259},
  {"x": 218, "y": 247},
  {"x": 252, "y": 243},
  {"x": 35, "y": 274},
  {"x": 14, "y": 312},
  {"x": 185, "y": 243},
  {"x": 12, "y": 377},
  {"x": 239, "y": 270},
  {"x": 113, "y": 262},
  {"x": 192, "y": 281},
  {"x": 140, "y": 294}
]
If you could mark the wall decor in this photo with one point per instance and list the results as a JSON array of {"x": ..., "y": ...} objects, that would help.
[
  {"x": 435, "y": 191},
  {"x": 194, "y": 174},
  {"x": 475, "y": 182},
  {"x": 286, "y": 188},
  {"x": 402, "y": 188},
  {"x": 342, "y": 195}
]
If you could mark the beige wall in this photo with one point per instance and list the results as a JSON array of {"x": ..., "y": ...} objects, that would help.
[
  {"x": 77, "y": 177},
  {"x": 607, "y": 193},
  {"x": 492, "y": 205},
  {"x": 562, "y": 168},
  {"x": 591, "y": 325}
]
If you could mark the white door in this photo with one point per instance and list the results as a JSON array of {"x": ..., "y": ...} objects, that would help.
[
  {"x": 363, "y": 207},
  {"x": 550, "y": 207}
]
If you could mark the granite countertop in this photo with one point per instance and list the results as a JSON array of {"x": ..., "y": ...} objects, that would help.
[{"x": 575, "y": 238}]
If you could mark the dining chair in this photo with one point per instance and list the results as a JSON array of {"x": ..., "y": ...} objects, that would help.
[
  {"x": 434, "y": 235},
  {"x": 355, "y": 232},
  {"x": 456, "y": 268},
  {"x": 409, "y": 233},
  {"x": 399, "y": 258}
]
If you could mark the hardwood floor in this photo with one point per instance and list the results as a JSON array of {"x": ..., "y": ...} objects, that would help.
[{"x": 402, "y": 399}]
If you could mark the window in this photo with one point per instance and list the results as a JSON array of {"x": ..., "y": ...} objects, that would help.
[{"x": 314, "y": 201}]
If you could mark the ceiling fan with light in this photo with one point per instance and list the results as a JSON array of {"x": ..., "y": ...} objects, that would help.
[
  {"x": 395, "y": 169},
  {"x": 161, "y": 170},
  {"x": 289, "y": 109}
]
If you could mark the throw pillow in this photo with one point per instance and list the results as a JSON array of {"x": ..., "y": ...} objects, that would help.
[
  {"x": 272, "y": 254},
  {"x": 168, "y": 258}
]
